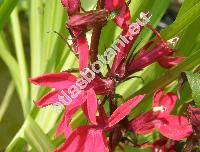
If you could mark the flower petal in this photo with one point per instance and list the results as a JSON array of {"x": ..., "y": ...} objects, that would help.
[
  {"x": 123, "y": 110},
  {"x": 96, "y": 141},
  {"x": 60, "y": 80},
  {"x": 112, "y": 5},
  {"x": 144, "y": 123},
  {"x": 72, "y": 6},
  {"x": 168, "y": 101},
  {"x": 123, "y": 18},
  {"x": 49, "y": 99},
  {"x": 149, "y": 57},
  {"x": 174, "y": 127},
  {"x": 123, "y": 51},
  {"x": 91, "y": 106},
  {"x": 80, "y": 45},
  {"x": 75, "y": 141},
  {"x": 85, "y": 139},
  {"x": 156, "y": 99},
  {"x": 64, "y": 127},
  {"x": 169, "y": 62},
  {"x": 83, "y": 52}
]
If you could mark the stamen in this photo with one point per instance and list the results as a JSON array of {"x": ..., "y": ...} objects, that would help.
[
  {"x": 159, "y": 109},
  {"x": 173, "y": 41}
]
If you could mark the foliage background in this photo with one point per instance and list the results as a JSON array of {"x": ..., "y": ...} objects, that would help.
[{"x": 29, "y": 47}]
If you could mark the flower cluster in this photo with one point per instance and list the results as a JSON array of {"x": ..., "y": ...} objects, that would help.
[{"x": 104, "y": 131}]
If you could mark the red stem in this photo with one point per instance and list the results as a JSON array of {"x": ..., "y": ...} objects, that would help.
[{"x": 96, "y": 36}]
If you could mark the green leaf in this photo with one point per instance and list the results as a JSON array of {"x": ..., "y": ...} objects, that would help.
[
  {"x": 36, "y": 17},
  {"x": 17, "y": 146},
  {"x": 194, "y": 81},
  {"x": 6, "y": 100},
  {"x": 6, "y": 8},
  {"x": 17, "y": 36},
  {"x": 182, "y": 22},
  {"x": 14, "y": 70},
  {"x": 36, "y": 137},
  {"x": 157, "y": 13}
]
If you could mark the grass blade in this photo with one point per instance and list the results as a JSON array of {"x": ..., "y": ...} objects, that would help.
[
  {"x": 5, "y": 9},
  {"x": 6, "y": 99},
  {"x": 20, "y": 55}
]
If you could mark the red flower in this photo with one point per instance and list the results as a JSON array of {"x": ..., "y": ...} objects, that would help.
[
  {"x": 123, "y": 47},
  {"x": 92, "y": 137},
  {"x": 86, "y": 98},
  {"x": 161, "y": 53},
  {"x": 123, "y": 13},
  {"x": 170, "y": 126},
  {"x": 119, "y": 60}
]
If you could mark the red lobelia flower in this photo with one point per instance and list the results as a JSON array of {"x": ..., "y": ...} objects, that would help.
[
  {"x": 170, "y": 126},
  {"x": 61, "y": 82},
  {"x": 160, "y": 52},
  {"x": 92, "y": 137},
  {"x": 123, "y": 47}
]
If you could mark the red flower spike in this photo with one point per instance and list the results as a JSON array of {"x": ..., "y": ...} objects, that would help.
[
  {"x": 63, "y": 128},
  {"x": 173, "y": 127},
  {"x": 124, "y": 110}
]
